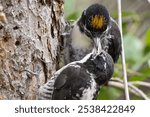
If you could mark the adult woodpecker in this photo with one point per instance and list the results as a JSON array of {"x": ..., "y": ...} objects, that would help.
[
  {"x": 85, "y": 32},
  {"x": 79, "y": 80},
  {"x": 94, "y": 23}
]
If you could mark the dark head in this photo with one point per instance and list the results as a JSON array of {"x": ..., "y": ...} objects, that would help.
[
  {"x": 101, "y": 65},
  {"x": 94, "y": 20}
]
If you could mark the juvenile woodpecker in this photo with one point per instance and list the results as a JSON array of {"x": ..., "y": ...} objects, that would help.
[
  {"x": 94, "y": 23},
  {"x": 79, "y": 80}
]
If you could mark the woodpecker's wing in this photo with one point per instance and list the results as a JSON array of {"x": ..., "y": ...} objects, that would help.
[
  {"x": 45, "y": 92},
  {"x": 114, "y": 47},
  {"x": 74, "y": 83}
]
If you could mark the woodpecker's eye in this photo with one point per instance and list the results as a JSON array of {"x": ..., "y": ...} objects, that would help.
[{"x": 98, "y": 21}]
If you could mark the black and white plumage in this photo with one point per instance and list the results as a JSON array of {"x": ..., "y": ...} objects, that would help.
[
  {"x": 92, "y": 23},
  {"x": 111, "y": 40},
  {"x": 95, "y": 23},
  {"x": 79, "y": 80}
]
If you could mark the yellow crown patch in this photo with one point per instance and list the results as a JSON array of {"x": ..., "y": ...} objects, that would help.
[{"x": 97, "y": 21}]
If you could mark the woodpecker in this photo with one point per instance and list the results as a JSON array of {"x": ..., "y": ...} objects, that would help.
[
  {"x": 95, "y": 23},
  {"x": 79, "y": 80},
  {"x": 85, "y": 32}
]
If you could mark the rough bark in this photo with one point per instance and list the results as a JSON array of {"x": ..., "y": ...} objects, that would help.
[{"x": 29, "y": 45}]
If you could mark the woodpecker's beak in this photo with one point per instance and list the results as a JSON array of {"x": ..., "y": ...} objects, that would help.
[{"x": 97, "y": 45}]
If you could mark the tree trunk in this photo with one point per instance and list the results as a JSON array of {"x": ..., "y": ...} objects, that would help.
[{"x": 29, "y": 45}]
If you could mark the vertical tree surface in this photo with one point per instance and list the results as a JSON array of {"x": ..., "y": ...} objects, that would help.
[{"x": 29, "y": 45}]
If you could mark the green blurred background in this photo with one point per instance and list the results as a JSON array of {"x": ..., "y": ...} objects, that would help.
[{"x": 136, "y": 39}]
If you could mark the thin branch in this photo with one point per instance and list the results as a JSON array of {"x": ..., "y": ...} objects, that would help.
[
  {"x": 139, "y": 91},
  {"x": 121, "y": 86},
  {"x": 122, "y": 53},
  {"x": 136, "y": 91},
  {"x": 145, "y": 84}
]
